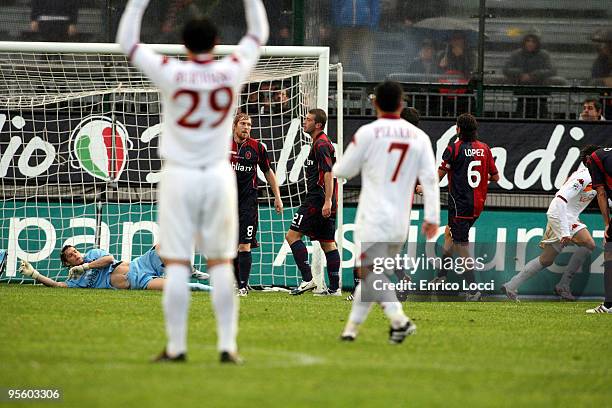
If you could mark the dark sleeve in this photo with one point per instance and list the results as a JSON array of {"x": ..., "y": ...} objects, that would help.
[
  {"x": 600, "y": 68},
  {"x": 447, "y": 157},
  {"x": 324, "y": 155},
  {"x": 512, "y": 68},
  {"x": 597, "y": 176},
  {"x": 545, "y": 70},
  {"x": 264, "y": 160},
  {"x": 492, "y": 166}
]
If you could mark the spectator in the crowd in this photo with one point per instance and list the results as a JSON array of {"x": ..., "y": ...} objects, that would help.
[
  {"x": 591, "y": 110},
  {"x": 54, "y": 20},
  {"x": 425, "y": 63},
  {"x": 280, "y": 101},
  {"x": 602, "y": 66},
  {"x": 259, "y": 98},
  {"x": 356, "y": 21},
  {"x": 458, "y": 58},
  {"x": 457, "y": 62},
  {"x": 530, "y": 65}
]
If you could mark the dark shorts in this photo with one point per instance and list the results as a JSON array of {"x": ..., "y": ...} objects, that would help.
[
  {"x": 609, "y": 239},
  {"x": 460, "y": 228},
  {"x": 309, "y": 221},
  {"x": 248, "y": 220}
]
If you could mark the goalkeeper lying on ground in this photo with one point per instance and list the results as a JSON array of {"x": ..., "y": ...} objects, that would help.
[{"x": 99, "y": 270}]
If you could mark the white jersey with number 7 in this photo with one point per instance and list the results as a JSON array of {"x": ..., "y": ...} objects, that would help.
[{"x": 391, "y": 154}]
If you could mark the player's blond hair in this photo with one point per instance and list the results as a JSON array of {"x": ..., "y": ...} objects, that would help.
[{"x": 240, "y": 116}]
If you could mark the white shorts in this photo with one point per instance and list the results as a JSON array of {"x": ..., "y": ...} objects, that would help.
[
  {"x": 198, "y": 207},
  {"x": 552, "y": 234},
  {"x": 376, "y": 244}
]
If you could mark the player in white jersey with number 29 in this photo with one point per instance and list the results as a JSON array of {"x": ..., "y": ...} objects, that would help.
[
  {"x": 390, "y": 153},
  {"x": 563, "y": 228},
  {"x": 197, "y": 191}
]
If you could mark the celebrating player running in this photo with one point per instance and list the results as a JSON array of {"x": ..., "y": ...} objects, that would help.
[{"x": 197, "y": 190}]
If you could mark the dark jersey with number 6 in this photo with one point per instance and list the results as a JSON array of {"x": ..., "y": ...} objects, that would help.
[{"x": 469, "y": 165}]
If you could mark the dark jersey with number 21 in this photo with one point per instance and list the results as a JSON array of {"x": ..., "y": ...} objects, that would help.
[{"x": 469, "y": 165}]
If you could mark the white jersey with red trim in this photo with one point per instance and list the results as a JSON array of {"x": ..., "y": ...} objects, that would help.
[
  {"x": 198, "y": 101},
  {"x": 572, "y": 198},
  {"x": 391, "y": 154},
  {"x": 199, "y": 95}
]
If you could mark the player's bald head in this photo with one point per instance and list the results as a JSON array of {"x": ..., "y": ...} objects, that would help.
[
  {"x": 389, "y": 96},
  {"x": 200, "y": 35}
]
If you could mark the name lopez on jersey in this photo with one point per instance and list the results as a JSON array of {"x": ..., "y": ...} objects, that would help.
[{"x": 474, "y": 152}]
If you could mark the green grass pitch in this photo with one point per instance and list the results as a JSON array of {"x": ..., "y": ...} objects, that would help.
[{"x": 95, "y": 346}]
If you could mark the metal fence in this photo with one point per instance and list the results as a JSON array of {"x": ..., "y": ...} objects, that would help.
[{"x": 499, "y": 101}]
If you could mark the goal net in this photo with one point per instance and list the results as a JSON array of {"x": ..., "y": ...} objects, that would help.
[{"x": 78, "y": 152}]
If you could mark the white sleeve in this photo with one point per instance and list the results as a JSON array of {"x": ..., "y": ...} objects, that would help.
[
  {"x": 349, "y": 165},
  {"x": 128, "y": 37},
  {"x": 428, "y": 178},
  {"x": 257, "y": 21},
  {"x": 128, "y": 34},
  {"x": 257, "y": 34},
  {"x": 571, "y": 188}
]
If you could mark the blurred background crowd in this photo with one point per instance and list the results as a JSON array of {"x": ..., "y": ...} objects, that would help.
[{"x": 531, "y": 43}]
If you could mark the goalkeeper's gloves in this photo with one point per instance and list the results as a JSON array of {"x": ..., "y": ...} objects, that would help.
[
  {"x": 28, "y": 270},
  {"x": 78, "y": 270}
]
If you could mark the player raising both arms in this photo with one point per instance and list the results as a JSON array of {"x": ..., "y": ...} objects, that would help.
[
  {"x": 391, "y": 154},
  {"x": 197, "y": 190},
  {"x": 600, "y": 169},
  {"x": 563, "y": 228},
  {"x": 248, "y": 153},
  {"x": 316, "y": 217}
]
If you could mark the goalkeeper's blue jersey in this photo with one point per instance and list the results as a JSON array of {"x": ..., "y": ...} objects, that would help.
[{"x": 93, "y": 278}]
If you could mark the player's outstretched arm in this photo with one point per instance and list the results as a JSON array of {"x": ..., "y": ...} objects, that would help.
[
  {"x": 128, "y": 34},
  {"x": 27, "y": 269},
  {"x": 271, "y": 178},
  {"x": 257, "y": 20}
]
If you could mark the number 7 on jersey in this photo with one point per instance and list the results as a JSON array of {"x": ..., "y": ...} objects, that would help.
[{"x": 403, "y": 148}]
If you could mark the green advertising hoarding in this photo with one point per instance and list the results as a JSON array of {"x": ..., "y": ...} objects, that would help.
[{"x": 505, "y": 239}]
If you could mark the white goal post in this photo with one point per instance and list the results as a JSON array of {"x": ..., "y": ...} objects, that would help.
[{"x": 78, "y": 159}]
